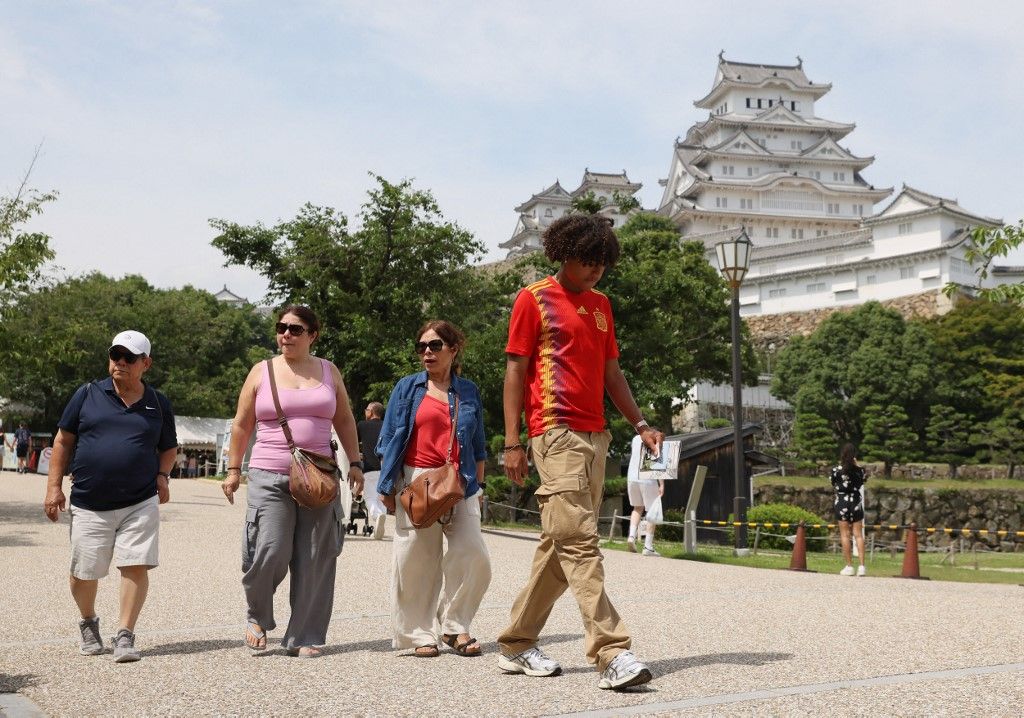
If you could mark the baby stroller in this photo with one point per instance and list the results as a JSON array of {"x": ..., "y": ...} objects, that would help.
[{"x": 359, "y": 511}]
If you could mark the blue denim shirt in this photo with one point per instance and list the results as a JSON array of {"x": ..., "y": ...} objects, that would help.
[{"x": 400, "y": 417}]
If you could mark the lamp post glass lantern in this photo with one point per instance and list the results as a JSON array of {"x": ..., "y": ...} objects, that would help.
[{"x": 733, "y": 262}]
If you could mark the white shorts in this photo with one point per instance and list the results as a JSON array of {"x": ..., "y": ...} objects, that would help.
[
  {"x": 130, "y": 536},
  {"x": 642, "y": 493}
]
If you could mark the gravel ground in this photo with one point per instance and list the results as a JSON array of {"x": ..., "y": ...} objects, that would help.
[{"x": 706, "y": 630}]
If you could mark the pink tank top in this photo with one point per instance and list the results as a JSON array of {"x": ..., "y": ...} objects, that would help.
[{"x": 309, "y": 413}]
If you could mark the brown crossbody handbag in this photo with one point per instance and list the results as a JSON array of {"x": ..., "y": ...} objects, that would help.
[
  {"x": 312, "y": 477},
  {"x": 434, "y": 493}
]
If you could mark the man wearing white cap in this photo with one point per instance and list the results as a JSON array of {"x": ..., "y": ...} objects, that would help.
[{"x": 119, "y": 436}]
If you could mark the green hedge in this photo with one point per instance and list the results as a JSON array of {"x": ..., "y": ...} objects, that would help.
[{"x": 785, "y": 513}]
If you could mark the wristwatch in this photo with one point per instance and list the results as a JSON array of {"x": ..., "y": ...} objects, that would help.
[
  {"x": 163, "y": 473},
  {"x": 639, "y": 426},
  {"x": 355, "y": 465}
]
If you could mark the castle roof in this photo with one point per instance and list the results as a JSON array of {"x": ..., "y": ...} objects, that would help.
[
  {"x": 555, "y": 193},
  {"x": 612, "y": 181},
  {"x": 912, "y": 202},
  {"x": 730, "y": 74}
]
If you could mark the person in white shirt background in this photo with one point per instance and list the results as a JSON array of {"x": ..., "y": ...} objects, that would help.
[{"x": 643, "y": 494}]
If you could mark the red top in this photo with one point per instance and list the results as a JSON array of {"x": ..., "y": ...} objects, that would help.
[
  {"x": 569, "y": 337},
  {"x": 431, "y": 432}
]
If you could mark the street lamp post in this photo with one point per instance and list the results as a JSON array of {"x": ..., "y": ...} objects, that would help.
[{"x": 733, "y": 262}]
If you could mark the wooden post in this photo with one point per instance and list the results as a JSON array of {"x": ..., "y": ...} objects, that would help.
[{"x": 757, "y": 538}]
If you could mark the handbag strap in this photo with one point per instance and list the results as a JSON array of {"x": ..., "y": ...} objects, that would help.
[
  {"x": 455, "y": 423},
  {"x": 277, "y": 406}
]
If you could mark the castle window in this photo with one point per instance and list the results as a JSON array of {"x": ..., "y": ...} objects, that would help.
[
  {"x": 959, "y": 266},
  {"x": 748, "y": 102},
  {"x": 794, "y": 105},
  {"x": 831, "y": 259},
  {"x": 721, "y": 202},
  {"x": 771, "y": 232},
  {"x": 816, "y": 287},
  {"x": 728, "y": 169},
  {"x": 905, "y": 228},
  {"x": 759, "y": 103},
  {"x": 833, "y": 208},
  {"x": 858, "y": 209},
  {"x": 821, "y": 233},
  {"x": 796, "y": 144},
  {"x": 547, "y": 212},
  {"x": 746, "y": 203},
  {"x": 906, "y": 272},
  {"x": 796, "y": 234},
  {"x": 870, "y": 279},
  {"x": 776, "y": 293}
]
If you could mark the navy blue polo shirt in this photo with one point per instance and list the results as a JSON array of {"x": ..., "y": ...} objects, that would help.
[{"x": 116, "y": 455}]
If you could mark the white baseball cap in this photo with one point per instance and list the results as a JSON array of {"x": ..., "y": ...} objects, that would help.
[{"x": 133, "y": 341}]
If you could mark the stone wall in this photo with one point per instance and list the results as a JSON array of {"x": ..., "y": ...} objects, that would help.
[
  {"x": 945, "y": 508},
  {"x": 919, "y": 472},
  {"x": 778, "y": 329}
]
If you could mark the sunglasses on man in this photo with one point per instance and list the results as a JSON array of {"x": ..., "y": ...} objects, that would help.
[
  {"x": 116, "y": 354},
  {"x": 434, "y": 345},
  {"x": 296, "y": 330}
]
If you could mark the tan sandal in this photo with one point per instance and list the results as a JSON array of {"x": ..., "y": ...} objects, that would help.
[
  {"x": 255, "y": 638},
  {"x": 428, "y": 651}
]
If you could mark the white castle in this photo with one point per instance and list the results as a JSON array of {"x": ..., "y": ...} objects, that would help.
[{"x": 764, "y": 161}]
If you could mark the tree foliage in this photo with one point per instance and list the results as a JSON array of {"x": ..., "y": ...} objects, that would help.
[
  {"x": 949, "y": 436},
  {"x": 202, "y": 348},
  {"x": 374, "y": 286},
  {"x": 986, "y": 245},
  {"x": 868, "y": 356},
  {"x": 813, "y": 437},
  {"x": 22, "y": 253},
  {"x": 588, "y": 203},
  {"x": 887, "y": 435}
]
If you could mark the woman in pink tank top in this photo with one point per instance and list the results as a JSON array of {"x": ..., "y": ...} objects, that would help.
[{"x": 280, "y": 536}]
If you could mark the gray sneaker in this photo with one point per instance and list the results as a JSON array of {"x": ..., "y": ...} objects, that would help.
[
  {"x": 625, "y": 671},
  {"x": 124, "y": 647},
  {"x": 532, "y": 662},
  {"x": 92, "y": 643}
]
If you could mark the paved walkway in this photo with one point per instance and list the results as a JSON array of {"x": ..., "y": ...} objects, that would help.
[{"x": 720, "y": 639}]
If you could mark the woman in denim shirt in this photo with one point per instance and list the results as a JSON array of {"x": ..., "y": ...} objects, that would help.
[{"x": 435, "y": 593}]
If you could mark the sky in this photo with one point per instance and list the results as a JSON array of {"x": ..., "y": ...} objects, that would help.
[{"x": 154, "y": 117}]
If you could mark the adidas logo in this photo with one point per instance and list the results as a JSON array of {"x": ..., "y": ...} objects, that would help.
[{"x": 581, "y": 310}]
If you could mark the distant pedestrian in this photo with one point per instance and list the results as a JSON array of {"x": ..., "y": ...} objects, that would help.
[
  {"x": 22, "y": 446},
  {"x": 642, "y": 495},
  {"x": 193, "y": 465},
  {"x": 369, "y": 431},
  {"x": 847, "y": 480},
  {"x": 561, "y": 359},
  {"x": 118, "y": 435}
]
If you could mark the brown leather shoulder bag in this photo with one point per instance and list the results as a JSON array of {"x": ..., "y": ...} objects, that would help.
[
  {"x": 434, "y": 493},
  {"x": 313, "y": 477}
]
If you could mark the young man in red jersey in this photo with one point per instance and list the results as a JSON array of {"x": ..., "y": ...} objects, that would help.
[{"x": 561, "y": 358}]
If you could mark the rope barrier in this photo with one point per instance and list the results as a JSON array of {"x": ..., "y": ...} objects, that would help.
[{"x": 890, "y": 527}]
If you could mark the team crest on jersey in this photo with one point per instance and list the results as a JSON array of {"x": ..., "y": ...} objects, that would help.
[
  {"x": 600, "y": 320},
  {"x": 581, "y": 310}
]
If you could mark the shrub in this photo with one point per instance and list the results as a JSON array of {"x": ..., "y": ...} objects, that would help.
[
  {"x": 671, "y": 533},
  {"x": 615, "y": 486},
  {"x": 717, "y": 423},
  {"x": 785, "y": 513}
]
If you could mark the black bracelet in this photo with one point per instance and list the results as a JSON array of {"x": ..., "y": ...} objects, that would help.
[
  {"x": 234, "y": 468},
  {"x": 163, "y": 473},
  {"x": 355, "y": 465},
  {"x": 513, "y": 447}
]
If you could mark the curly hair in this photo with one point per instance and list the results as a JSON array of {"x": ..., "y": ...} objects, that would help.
[{"x": 585, "y": 237}]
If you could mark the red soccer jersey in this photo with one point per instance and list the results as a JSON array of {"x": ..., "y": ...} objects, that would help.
[{"x": 569, "y": 337}]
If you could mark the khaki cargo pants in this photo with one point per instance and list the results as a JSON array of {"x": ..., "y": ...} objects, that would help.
[{"x": 571, "y": 466}]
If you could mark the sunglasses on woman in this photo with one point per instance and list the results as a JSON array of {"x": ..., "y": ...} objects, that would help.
[
  {"x": 297, "y": 330},
  {"x": 434, "y": 345},
  {"x": 117, "y": 355}
]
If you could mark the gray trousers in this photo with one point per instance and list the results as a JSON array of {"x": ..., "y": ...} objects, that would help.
[{"x": 281, "y": 537}]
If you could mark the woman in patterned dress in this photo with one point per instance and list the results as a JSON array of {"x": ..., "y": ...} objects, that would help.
[{"x": 847, "y": 479}]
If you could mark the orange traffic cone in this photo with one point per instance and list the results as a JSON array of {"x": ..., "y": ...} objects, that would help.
[
  {"x": 911, "y": 565},
  {"x": 798, "y": 562}
]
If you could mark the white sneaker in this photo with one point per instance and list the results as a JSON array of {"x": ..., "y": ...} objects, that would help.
[
  {"x": 631, "y": 544},
  {"x": 848, "y": 571},
  {"x": 650, "y": 552},
  {"x": 625, "y": 671},
  {"x": 861, "y": 571},
  {"x": 378, "y": 527},
  {"x": 531, "y": 662}
]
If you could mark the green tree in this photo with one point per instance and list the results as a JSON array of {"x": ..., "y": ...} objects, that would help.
[
  {"x": 374, "y": 287},
  {"x": 22, "y": 253},
  {"x": 865, "y": 356},
  {"x": 588, "y": 203},
  {"x": 626, "y": 203},
  {"x": 1004, "y": 435},
  {"x": 202, "y": 348},
  {"x": 987, "y": 244},
  {"x": 887, "y": 435},
  {"x": 949, "y": 436},
  {"x": 814, "y": 438},
  {"x": 672, "y": 320}
]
